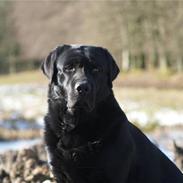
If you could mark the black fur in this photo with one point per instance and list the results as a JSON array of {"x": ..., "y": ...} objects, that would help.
[{"x": 88, "y": 136}]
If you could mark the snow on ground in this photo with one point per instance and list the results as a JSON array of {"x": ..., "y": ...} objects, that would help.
[
  {"x": 162, "y": 116},
  {"x": 30, "y": 102},
  {"x": 23, "y": 103}
]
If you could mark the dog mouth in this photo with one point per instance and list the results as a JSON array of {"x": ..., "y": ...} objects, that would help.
[
  {"x": 76, "y": 108},
  {"x": 74, "y": 112},
  {"x": 80, "y": 105}
]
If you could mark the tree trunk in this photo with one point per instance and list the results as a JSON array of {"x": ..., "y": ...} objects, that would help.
[
  {"x": 12, "y": 68},
  {"x": 125, "y": 65},
  {"x": 163, "y": 65},
  {"x": 179, "y": 65},
  {"x": 150, "y": 60}
]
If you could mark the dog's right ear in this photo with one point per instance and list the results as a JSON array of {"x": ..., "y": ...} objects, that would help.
[{"x": 48, "y": 65}]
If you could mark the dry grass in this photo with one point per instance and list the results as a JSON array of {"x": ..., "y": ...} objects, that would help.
[
  {"x": 146, "y": 79},
  {"x": 149, "y": 99},
  {"x": 161, "y": 98},
  {"x": 136, "y": 79},
  {"x": 24, "y": 78},
  {"x": 7, "y": 134}
]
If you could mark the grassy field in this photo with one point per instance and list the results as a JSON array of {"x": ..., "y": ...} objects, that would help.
[
  {"x": 150, "y": 108},
  {"x": 147, "y": 106},
  {"x": 171, "y": 97},
  {"x": 24, "y": 78},
  {"x": 137, "y": 79},
  {"x": 150, "y": 79}
]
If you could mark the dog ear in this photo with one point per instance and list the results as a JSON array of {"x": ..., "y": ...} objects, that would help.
[
  {"x": 113, "y": 69},
  {"x": 48, "y": 65}
]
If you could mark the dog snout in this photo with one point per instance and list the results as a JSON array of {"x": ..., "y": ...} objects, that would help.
[{"x": 83, "y": 88}]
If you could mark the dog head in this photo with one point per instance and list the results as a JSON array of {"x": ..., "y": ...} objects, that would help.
[{"x": 81, "y": 75}]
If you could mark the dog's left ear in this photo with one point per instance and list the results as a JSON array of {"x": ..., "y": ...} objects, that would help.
[
  {"x": 112, "y": 67},
  {"x": 48, "y": 65}
]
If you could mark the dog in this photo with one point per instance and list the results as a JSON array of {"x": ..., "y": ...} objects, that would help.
[{"x": 88, "y": 137}]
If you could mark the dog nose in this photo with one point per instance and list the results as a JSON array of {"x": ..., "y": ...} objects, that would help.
[{"x": 83, "y": 88}]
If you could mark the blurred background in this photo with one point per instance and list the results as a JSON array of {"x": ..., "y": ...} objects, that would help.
[{"x": 146, "y": 40}]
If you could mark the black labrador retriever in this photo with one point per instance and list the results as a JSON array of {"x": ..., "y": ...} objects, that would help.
[{"x": 88, "y": 136}]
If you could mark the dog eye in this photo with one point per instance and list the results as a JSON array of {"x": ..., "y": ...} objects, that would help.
[{"x": 69, "y": 69}]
